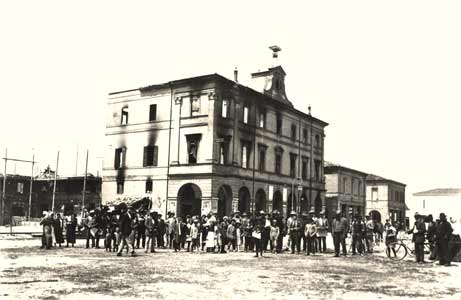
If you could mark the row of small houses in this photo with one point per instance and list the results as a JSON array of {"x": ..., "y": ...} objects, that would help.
[{"x": 350, "y": 191}]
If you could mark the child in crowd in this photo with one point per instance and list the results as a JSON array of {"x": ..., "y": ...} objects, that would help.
[
  {"x": 195, "y": 236},
  {"x": 108, "y": 238},
  {"x": 231, "y": 236},
  {"x": 274, "y": 234},
  {"x": 238, "y": 235},
  {"x": 116, "y": 238}
]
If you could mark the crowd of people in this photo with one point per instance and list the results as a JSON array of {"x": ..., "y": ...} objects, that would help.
[{"x": 129, "y": 229}]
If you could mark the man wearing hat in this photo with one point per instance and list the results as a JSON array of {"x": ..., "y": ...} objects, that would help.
[
  {"x": 322, "y": 231},
  {"x": 339, "y": 229},
  {"x": 295, "y": 233},
  {"x": 125, "y": 225},
  {"x": 443, "y": 233},
  {"x": 279, "y": 223},
  {"x": 419, "y": 230},
  {"x": 266, "y": 230},
  {"x": 246, "y": 233}
]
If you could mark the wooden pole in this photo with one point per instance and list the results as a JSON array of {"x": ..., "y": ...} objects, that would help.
[
  {"x": 30, "y": 189},
  {"x": 84, "y": 182},
  {"x": 4, "y": 189},
  {"x": 54, "y": 186}
]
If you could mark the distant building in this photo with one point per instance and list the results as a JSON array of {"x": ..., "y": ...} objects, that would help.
[
  {"x": 385, "y": 199},
  {"x": 209, "y": 144},
  {"x": 345, "y": 190},
  {"x": 437, "y": 201},
  {"x": 68, "y": 195}
]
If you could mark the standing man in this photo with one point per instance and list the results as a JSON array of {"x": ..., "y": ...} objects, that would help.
[
  {"x": 358, "y": 232},
  {"x": 369, "y": 233},
  {"x": 339, "y": 229},
  {"x": 322, "y": 231},
  {"x": 126, "y": 218},
  {"x": 295, "y": 233},
  {"x": 419, "y": 230},
  {"x": 442, "y": 236}
]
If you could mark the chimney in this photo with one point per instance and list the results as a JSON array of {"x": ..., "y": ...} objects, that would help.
[
  {"x": 309, "y": 108},
  {"x": 236, "y": 75}
]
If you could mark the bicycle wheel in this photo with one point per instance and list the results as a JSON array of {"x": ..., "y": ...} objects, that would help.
[{"x": 396, "y": 251}]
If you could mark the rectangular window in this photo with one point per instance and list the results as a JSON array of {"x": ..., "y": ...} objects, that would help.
[
  {"x": 293, "y": 132},
  {"x": 193, "y": 141},
  {"x": 150, "y": 156},
  {"x": 262, "y": 119},
  {"x": 246, "y": 149},
  {"x": 279, "y": 124},
  {"x": 195, "y": 106},
  {"x": 124, "y": 119},
  {"x": 225, "y": 108},
  {"x": 262, "y": 159},
  {"x": 304, "y": 168},
  {"x": 317, "y": 170},
  {"x": 359, "y": 188},
  {"x": 305, "y": 137},
  {"x": 278, "y": 163},
  {"x": 20, "y": 187},
  {"x": 344, "y": 184},
  {"x": 374, "y": 193},
  {"x": 149, "y": 185},
  {"x": 153, "y": 112},
  {"x": 293, "y": 158},
  {"x": 245, "y": 114},
  {"x": 223, "y": 146},
  {"x": 119, "y": 161}
]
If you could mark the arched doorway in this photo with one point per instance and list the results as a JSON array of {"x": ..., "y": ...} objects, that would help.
[
  {"x": 189, "y": 200},
  {"x": 244, "y": 200},
  {"x": 260, "y": 200},
  {"x": 277, "y": 202},
  {"x": 375, "y": 216},
  {"x": 303, "y": 203},
  {"x": 318, "y": 205},
  {"x": 224, "y": 201},
  {"x": 292, "y": 203}
]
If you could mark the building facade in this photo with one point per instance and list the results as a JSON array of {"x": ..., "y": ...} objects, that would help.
[
  {"x": 436, "y": 201},
  {"x": 346, "y": 190},
  {"x": 385, "y": 199},
  {"x": 208, "y": 144}
]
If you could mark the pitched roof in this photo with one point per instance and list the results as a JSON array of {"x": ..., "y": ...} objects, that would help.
[
  {"x": 372, "y": 177},
  {"x": 440, "y": 192},
  {"x": 334, "y": 167}
]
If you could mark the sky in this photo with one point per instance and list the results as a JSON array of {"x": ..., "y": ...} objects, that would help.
[{"x": 384, "y": 74}]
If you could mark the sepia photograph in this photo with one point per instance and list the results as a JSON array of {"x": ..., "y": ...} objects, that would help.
[{"x": 230, "y": 149}]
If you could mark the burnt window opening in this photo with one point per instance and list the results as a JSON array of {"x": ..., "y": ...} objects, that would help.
[
  {"x": 293, "y": 132},
  {"x": 262, "y": 158},
  {"x": 149, "y": 185},
  {"x": 278, "y": 160},
  {"x": 120, "y": 155},
  {"x": 246, "y": 112},
  {"x": 279, "y": 124},
  {"x": 195, "y": 106},
  {"x": 293, "y": 158},
  {"x": 305, "y": 136},
  {"x": 120, "y": 187},
  {"x": 245, "y": 155},
  {"x": 305, "y": 166},
  {"x": 225, "y": 108},
  {"x": 153, "y": 112},
  {"x": 150, "y": 156},
  {"x": 124, "y": 119},
  {"x": 193, "y": 142}
]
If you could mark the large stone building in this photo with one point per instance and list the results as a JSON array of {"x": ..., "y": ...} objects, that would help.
[
  {"x": 209, "y": 144},
  {"x": 346, "y": 190},
  {"x": 385, "y": 199}
]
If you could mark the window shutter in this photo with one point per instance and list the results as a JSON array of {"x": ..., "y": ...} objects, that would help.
[
  {"x": 117, "y": 159},
  {"x": 155, "y": 161},
  {"x": 144, "y": 161}
]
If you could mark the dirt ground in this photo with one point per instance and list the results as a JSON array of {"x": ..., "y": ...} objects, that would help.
[{"x": 27, "y": 272}]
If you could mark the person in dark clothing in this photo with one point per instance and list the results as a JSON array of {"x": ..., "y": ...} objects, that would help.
[
  {"x": 295, "y": 233},
  {"x": 431, "y": 236},
  {"x": 257, "y": 235},
  {"x": 125, "y": 225},
  {"x": 71, "y": 227},
  {"x": 419, "y": 231},
  {"x": 57, "y": 228},
  {"x": 442, "y": 236},
  {"x": 161, "y": 232},
  {"x": 358, "y": 232},
  {"x": 141, "y": 231}
]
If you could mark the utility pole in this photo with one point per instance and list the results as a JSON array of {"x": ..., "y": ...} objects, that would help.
[
  {"x": 84, "y": 183},
  {"x": 54, "y": 186},
  {"x": 30, "y": 189},
  {"x": 4, "y": 189}
]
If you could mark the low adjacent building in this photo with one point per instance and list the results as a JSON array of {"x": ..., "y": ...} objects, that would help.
[
  {"x": 345, "y": 190},
  {"x": 385, "y": 199}
]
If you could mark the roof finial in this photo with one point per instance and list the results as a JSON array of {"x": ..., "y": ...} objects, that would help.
[
  {"x": 309, "y": 108},
  {"x": 275, "y": 49}
]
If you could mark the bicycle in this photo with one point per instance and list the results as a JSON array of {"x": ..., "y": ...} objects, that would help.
[{"x": 400, "y": 249}]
